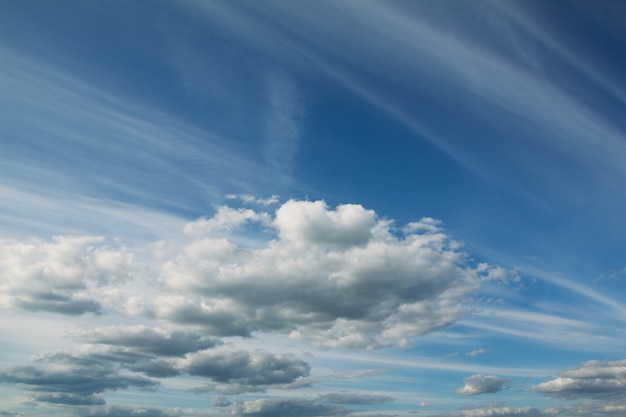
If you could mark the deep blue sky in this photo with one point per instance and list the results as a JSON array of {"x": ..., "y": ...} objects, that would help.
[{"x": 304, "y": 136}]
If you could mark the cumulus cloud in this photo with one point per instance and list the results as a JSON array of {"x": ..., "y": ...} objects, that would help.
[
  {"x": 244, "y": 369},
  {"x": 401, "y": 284},
  {"x": 355, "y": 398},
  {"x": 150, "y": 340},
  {"x": 125, "y": 411},
  {"x": 59, "y": 276},
  {"x": 286, "y": 407},
  {"x": 596, "y": 409},
  {"x": 226, "y": 219},
  {"x": 490, "y": 411},
  {"x": 593, "y": 379},
  {"x": 72, "y": 385},
  {"x": 80, "y": 375},
  {"x": 111, "y": 357},
  {"x": 482, "y": 384}
]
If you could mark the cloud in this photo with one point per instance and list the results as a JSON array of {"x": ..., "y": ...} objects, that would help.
[
  {"x": 250, "y": 199},
  {"x": 586, "y": 409},
  {"x": 490, "y": 411},
  {"x": 479, "y": 384},
  {"x": 362, "y": 373},
  {"x": 596, "y": 409},
  {"x": 282, "y": 121},
  {"x": 476, "y": 352},
  {"x": 256, "y": 369},
  {"x": 72, "y": 385},
  {"x": 312, "y": 223},
  {"x": 354, "y": 398},
  {"x": 400, "y": 286},
  {"x": 123, "y": 411},
  {"x": 150, "y": 340},
  {"x": 593, "y": 379},
  {"x": 80, "y": 375},
  {"x": 61, "y": 276},
  {"x": 226, "y": 219},
  {"x": 220, "y": 402},
  {"x": 286, "y": 407},
  {"x": 115, "y": 358}
]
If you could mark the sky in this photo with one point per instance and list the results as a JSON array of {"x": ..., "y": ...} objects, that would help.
[{"x": 312, "y": 208}]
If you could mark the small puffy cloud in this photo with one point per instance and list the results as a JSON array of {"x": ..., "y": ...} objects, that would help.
[
  {"x": 150, "y": 340},
  {"x": 244, "y": 368},
  {"x": 423, "y": 404},
  {"x": 59, "y": 276},
  {"x": 476, "y": 352},
  {"x": 355, "y": 398},
  {"x": 482, "y": 384},
  {"x": 593, "y": 380},
  {"x": 399, "y": 286}
]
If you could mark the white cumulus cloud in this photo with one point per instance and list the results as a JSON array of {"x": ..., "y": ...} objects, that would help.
[{"x": 335, "y": 277}]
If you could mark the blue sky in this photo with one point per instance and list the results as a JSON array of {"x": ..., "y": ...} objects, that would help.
[{"x": 315, "y": 208}]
